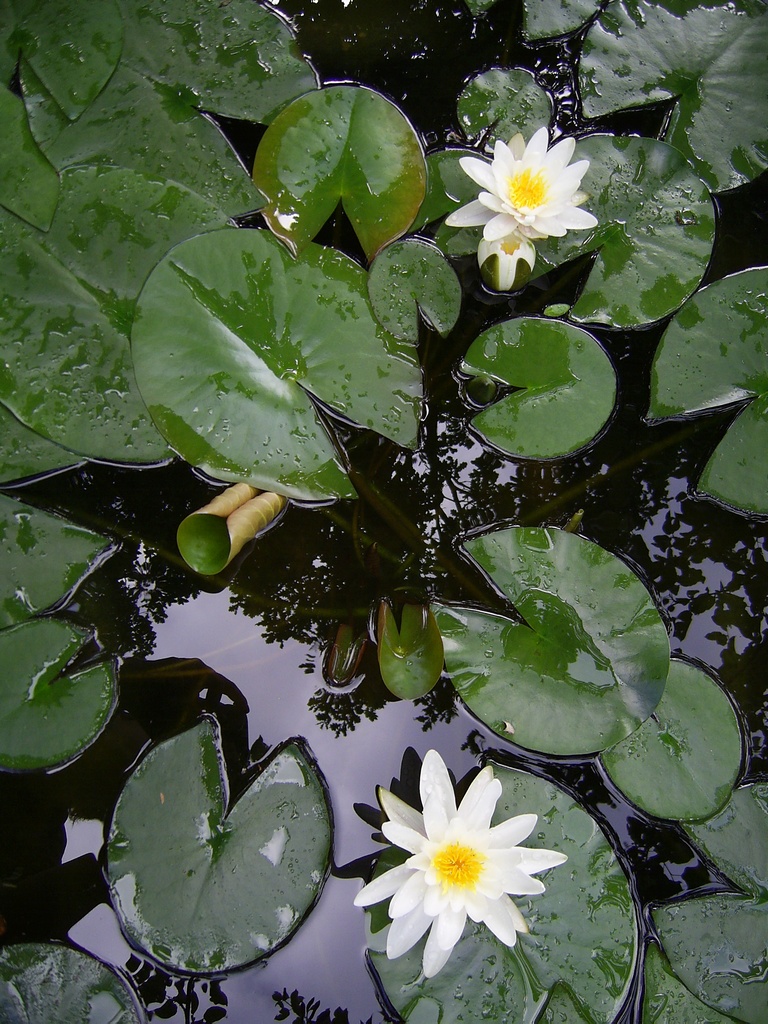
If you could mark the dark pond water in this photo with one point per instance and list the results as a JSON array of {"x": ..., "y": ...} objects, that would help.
[{"x": 250, "y": 648}]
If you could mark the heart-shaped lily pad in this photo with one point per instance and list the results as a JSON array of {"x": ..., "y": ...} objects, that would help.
[
  {"x": 42, "y": 558},
  {"x": 655, "y": 231},
  {"x": 709, "y": 58},
  {"x": 590, "y": 662},
  {"x": 582, "y": 930},
  {"x": 683, "y": 761},
  {"x": 29, "y": 185},
  {"x": 502, "y": 102},
  {"x": 232, "y": 338},
  {"x": 340, "y": 144},
  {"x": 48, "y": 716},
  {"x": 410, "y": 657},
  {"x": 411, "y": 277},
  {"x": 203, "y": 886},
  {"x": 566, "y": 386},
  {"x": 35, "y": 977},
  {"x": 712, "y": 355}
]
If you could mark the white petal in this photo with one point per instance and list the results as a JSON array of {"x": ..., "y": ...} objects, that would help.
[
  {"x": 435, "y": 901},
  {"x": 577, "y": 219},
  {"x": 559, "y": 155},
  {"x": 518, "y": 882},
  {"x": 383, "y": 886},
  {"x": 469, "y": 216},
  {"x": 435, "y": 818},
  {"x": 449, "y": 926},
  {"x": 548, "y": 226},
  {"x": 434, "y": 958},
  {"x": 406, "y": 931},
  {"x": 481, "y": 811},
  {"x": 533, "y": 861},
  {"x": 478, "y": 170},
  {"x": 537, "y": 147},
  {"x": 516, "y": 146},
  {"x": 501, "y": 225},
  {"x": 402, "y": 836},
  {"x": 484, "y": 778},
  {"x": 435, "y": 779},
  {"x": 408, "y": 896},
  {"x": 476, "y": 905},
  {"x": 505, "y": 920},
  {"x": 401, "y": 812},
  {"x": 492, "y": 202},
  {"x": 512, "y": 831}
]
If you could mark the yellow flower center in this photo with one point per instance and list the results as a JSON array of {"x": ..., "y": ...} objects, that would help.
[
  {"x": 510, "y": 248},
  {"x": 458, "y": 865},
  {"x": 528, "y": 190}
]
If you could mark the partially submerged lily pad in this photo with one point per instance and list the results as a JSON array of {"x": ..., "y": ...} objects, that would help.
[
  {"x": 565, "y": 386},
  {"x": 202, "y": 885},
  {"x": 582, "y": 930},
  {"x": 587, "y": 665},
  {"x": 501, "y": 102}
]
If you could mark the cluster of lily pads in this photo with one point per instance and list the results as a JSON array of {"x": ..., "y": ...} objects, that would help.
[{"x": 158, "y": 299}]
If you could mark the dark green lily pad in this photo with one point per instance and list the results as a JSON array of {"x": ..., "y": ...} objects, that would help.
[
  {"x": 712, "y": 59},
  {"x": 592, "y": 661},
  {"x": 25, "y": 453},
  {"x": 30, "y": 185},
  {"x": 203, "y": 886},
  {"x": 42, "y": 558},
  {"x": 74, "y": 47},
  {"x": 712, "y": 355},
  {"x": 47, "y": 715},
  {"x": 232, "y": 338},
  {"x": 666, "y": 1000},
  {"x": 448, "y": 188},
  {"x": 582, "y": 930},
  {"x": 655, "y": 231},
  {"x": 566, "y": 386},
  {"x": 342, "y": 144},
  {"x": 411, "y": 657},
  {"x": 411, "y": 277},
  {"x": 717, "y": 948},
  {"x": 736, "y": 839},
  {"x": 503, "y": 102},
  {"x": 541, "y": 20},
  {"x": 35, "y": 976},
  {"x": 478, "y": 7},
  {"x": 683, "y": 761}
]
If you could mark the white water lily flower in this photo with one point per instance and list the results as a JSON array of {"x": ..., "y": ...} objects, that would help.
[
  {"x": 529, "y": 190},
  {"x": 515, "y": 257},
  {"x": 458, "y": 866}
]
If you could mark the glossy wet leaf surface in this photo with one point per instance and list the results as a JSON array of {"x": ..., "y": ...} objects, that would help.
[
  {"x": 42, "y": 558},
  {"x": 204, "y": 884},
  {"x": 555, "y": 19},
  {"x": 711, "y": 59},
  {"x": 30, "y": 185},
  {"x": 234, "y": 335},
  {"x": 654, "y": 236},
  {"x": 26, "y": 453},
  {"x": 448, "y": 188},
  {"x": 411, "y": 654},
  {"x": 499, "y": 103},
  {"x": 47, "y": 714},
  {"x": 411, "y": 278},
  {"x": 736, "y": 839},
  {"x": 592, "y": 661},
  {"x": 582, "y": 930},
  {"x": 711, "y": 356},
  {"x": 683, "y": 761},
  {"x": 36, "y": 976},
  {"x": 665, "y": 999},
  {"x": 340, "y": 144},
  {"x": 565, "y": 386}
]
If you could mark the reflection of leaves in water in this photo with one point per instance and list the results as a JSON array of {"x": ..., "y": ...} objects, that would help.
[
  {"x": 305, "y": 1011},
  {"x": 180, "y": 1000},
  {"x": 439, "y": 705}
]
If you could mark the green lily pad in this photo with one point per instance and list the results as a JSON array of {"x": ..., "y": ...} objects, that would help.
[
  {"x": 683, "y": 761},
  {"x": 712, "y": 355},
  {"x": 47, "y": 715},
  {"x": 235, "y": 58},
  {"x": 411, "y": 277},
  {"x": 506, "y": 101},
  {"x": 35, "y": 976},
  {"x": 42, "y": 558},
  {"x": 588, "y": 665},
  {"x": 543, "y": 20},
  {"x": 411, "y": 657},
  {"x": 30, "y": 185},
  {"x": 655, "y": 231},
  {"x": 448, "y": 188},
  {"x": 717, "y": 948},
  {"x": 342, "y": 144},
  {"x": 582, "y": 930},
  {"x": 25, "y": 453},
  {"x": 666, "y": 1000},
  {"x": 73, "y": 47},
  {"x": 712, "y": 59},
  {"x": 232, "y": 338},
  {"x": 566, "y": 386},
  {"x": 478, "y": 7},
  {"x": 203, "y": 886},
  {"x": 736, "y": 839}
]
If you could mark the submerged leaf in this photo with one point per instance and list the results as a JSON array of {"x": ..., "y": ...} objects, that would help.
[
  {"x": 343, "y": 144},
  {"x": 588, "y": 664},
  {"x": 203, "y": 886}
]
